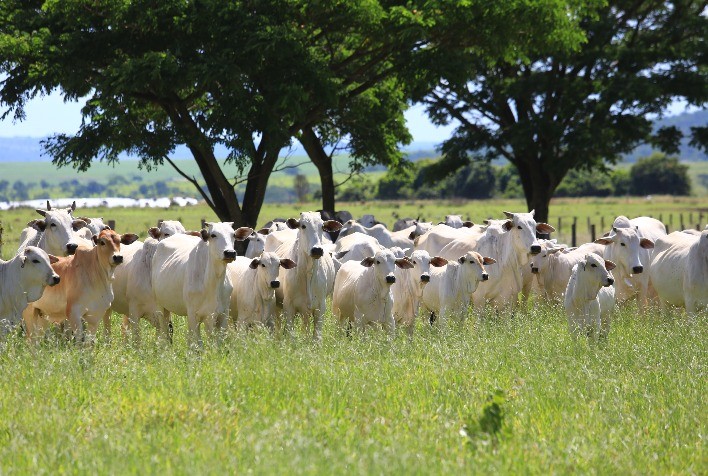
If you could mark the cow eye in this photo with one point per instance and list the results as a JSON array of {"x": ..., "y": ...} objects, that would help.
[
  {"x": 167, "y": 234},
  {"x": 263, "y": 265},
  {"x": 594, "y": 265},
  {"x": 519, "y": 227},
  {"x": 303, "y": 227},
  {"x": 414, "y": 262},
  {"x": 623, "y": 244},
  {"x": 378, "y": 262},
  {"x": 101, "y": 242},
  {"x": 35, "y": 261},
  {"x": 213, "y": 235},
  {"x": 53, "y": 224}
]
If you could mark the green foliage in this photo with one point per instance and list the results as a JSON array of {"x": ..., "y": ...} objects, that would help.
[
  {"x": 659, "y": 174},
  {"x": 359, "y": 188},
  {"x": 621, "y": 182},
  {"x": 397, "y": 183},
  {"x": 485, "y": 429},
  {"x": 584, "y": 183}
]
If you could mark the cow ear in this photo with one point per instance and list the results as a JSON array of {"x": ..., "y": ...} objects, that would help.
[
  {"x": 509, "y": 215},
  {"x": 23, "y": 258},
  {"x": 331, "y": 226},
  {"x": 42, "y": 212},
  {"x": 508, "y": 225},
  {"x": 154, "y": 232},
  {"x": 128, "y": 238},
  {"x": 404, "y": 263},
  {"x": 264, "y": 231},
  {"x": 39, "y": 225},
  {"x": 254, "y": 263},
  {"x": 646, "y": 243},
  {"x": 293, "y": 223},
  {"x": 73, "y": 205},
  {"x": 52, "y": 259},
  {"x": 368, "y": 262},
  {"x": 86, "y": 219},
  {"x": 49, "y": 206},
  {"x": 467, "y": 224},
  {"x": 193, "y": 233},
  {"x": 488, "y": 260},
  {"x": 533, "y": 212},
  {"x": 94, "y": 238},
  {"x": 609, "y": 265},
  {"x": 106, "y": 227},
  {"x": 204, "y": 234},
  {"x": 486, "y": 222},
  {"x": 287, "y": 263},
  {"x": 544, "y": 228},
  {"x": 76, "y": 225},
  {"x": 441, "y": 223},
  {"x": 412, "y": 236},
  {"x": 243, "y": 232},
  {"x": 461, "y": 260},
  {"x": 438, "y": 261}
]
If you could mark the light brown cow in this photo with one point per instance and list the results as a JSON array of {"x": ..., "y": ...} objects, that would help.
[{"x": 85, "y": 290}]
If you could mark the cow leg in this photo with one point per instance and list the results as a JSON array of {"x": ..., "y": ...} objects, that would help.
[
  {"x": 390, "y": 326},
  {"x": 318, "y": 318},
  {"x": 221, "y": 322},
  {"x": 195, "y": 339},
  {"x": 605, "y": 321},
  {"x": 107, "y": 325},
  {"x": 76, "y": 325},
  {"x": 91, "y": 329},
  {"x": 164, "y": 325}
]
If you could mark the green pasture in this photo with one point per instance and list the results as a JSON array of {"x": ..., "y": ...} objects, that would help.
[
  {"x": 496, "y": 395},
  {"x": 598, "y": 211}
]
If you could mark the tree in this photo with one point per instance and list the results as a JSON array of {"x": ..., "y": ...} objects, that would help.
[
  {"x": 301, "y": 187},
  {"x": 561, "y": 109},
  {"x": 659, "y": 174},
  {"x": 249, "y": 76}
]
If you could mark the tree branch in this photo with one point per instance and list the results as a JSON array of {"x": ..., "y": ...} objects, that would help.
[{"x": 192, "y": 180}]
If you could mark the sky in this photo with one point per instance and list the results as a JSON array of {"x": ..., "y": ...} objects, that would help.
[{"x": 50, "y": 115}]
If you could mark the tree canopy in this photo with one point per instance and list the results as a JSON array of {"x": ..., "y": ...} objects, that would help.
[{"x": 559, "y": 109}]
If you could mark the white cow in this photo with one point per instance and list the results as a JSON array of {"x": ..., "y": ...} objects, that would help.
[
  {"x": 94, "y": 226},
  {"x": 255, "y": 281},
  {"x": 386, "y": 238},
  {"x": 275, "y": 239},
  {"x": 408, "y": 288},
  {"x": 55, "y": 233},
  {"x": 305, "y": 290},
  {"x": 450, "y": 289},
  {"x": 439, "y": 236},
  {"x": 256, "y": 243},
  {"x": 22, "y": 281},
  {"x": 355, "y": 247},
  {"x": 85, "y": 292},
  {"x": 368, "y": 221},
  {"x": 629, "y": 244},
  {"x": 679, "y": 270},
  {"x": 456, "y": 221},
  {"x": 590, "y": 296},
  {"x": 554, "y": 265},
  {"x": 189, "y": 277},
  {"x": 362, "y": 291},
  {"x": 509, "y": 242}
]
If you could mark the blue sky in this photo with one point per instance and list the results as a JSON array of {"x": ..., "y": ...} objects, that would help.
[{"x": 50, "y": 114}]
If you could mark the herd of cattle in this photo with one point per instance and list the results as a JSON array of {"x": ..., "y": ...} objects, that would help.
[{"x": 76, "y": 271}]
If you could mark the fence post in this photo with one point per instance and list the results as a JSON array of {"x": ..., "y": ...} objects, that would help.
[
  {"x": 1, "y": 231},
  {"x": 558, "y": 230},
  {"x": 602, "y": 223},
  {"x": 573, "y": 232},
  {"x": 112, "y": 224},
  {"x": 683, "y": 227},
  {"x": 592, "y": 232},
  {"x": 690, "y": 217}
]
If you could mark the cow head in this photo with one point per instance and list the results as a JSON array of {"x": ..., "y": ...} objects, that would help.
[
  {"x": 220, "y": 237},
  {"x": 540, "y": 262},
  {"x": 267, "y": 267},
  {"x": 473, "y": 270},
  {"x": 256, "y": 243},
  {"x": 594, "y": 273},
  {"x": 422, "y": 261},
  {"x": 384, "y": 263},
  {"x": 36, "y": 267},
  {"x": 58, "y": 227},
  {"x": 368, "y": 221},
  {"x": 524, "y": 228},
  {"x": 456, "y": 221},
  {"x": 166, "y": 229},
  {"x": 624, "y": 247},
  {"x": 107, "y": 245},
  {"x": 310, "y": 228},
  {"x": 421, "y": 228}
]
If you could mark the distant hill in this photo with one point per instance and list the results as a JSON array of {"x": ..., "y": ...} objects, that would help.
[{"x": 28, "y": 149}]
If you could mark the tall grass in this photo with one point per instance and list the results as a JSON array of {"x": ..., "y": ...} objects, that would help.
[{"x": 634, "y": 404}]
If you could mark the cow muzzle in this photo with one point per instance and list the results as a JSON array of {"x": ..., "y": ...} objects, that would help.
[
  {"x": 71, "y": 248},
  {"x": 275, "y": 284},
  {"x": 316, "y": 252},
  {"x": 534, "y": 270},
  {"x": 390, "y": 279},
  {"x": 535, "y": 249},
  {"x": 485, "y": 277},
  {"x": 637, "y": 269},
  {"x": 610, "y": 282},
  {"x": 425, "y": 278},
  {"x": 229, "y": 256},
  {"x": 117, "y": 259},
  {"x": 54, "y": 280}
]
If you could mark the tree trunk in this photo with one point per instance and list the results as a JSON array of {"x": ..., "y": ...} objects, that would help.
[
  {"x": 538, "y": 185},
  {"x": 323, "y": 162}
]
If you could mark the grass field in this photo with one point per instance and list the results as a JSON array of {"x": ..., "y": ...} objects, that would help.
[
  {"x": 496, "y": 395},
  {"x": 632, "y": 405}
]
